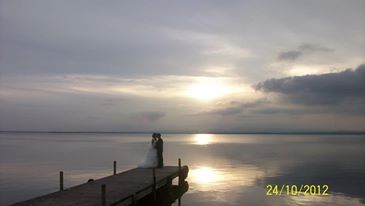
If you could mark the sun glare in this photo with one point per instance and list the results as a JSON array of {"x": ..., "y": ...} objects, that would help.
[
  {"x": 305, "y": 70},
  {"x": 203, "y": 139},
  {"x": 206, "y": 90}
]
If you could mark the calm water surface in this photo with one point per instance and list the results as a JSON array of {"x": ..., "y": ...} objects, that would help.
[{"x": 224, "y": 169}]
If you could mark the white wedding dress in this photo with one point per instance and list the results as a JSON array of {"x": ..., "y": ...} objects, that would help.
[{"x": 150, "y": 160}]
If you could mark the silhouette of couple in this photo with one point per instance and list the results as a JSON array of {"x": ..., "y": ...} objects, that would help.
[{"x": 154, "y": 157}]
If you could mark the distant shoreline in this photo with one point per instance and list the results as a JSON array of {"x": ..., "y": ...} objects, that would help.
[{"x": 198, "y": 132}]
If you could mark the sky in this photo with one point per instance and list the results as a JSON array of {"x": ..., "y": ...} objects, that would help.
[{"x": 182, "y": 66}]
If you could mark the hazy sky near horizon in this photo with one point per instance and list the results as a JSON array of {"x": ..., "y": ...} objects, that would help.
[{"x": 201, "y": 66}]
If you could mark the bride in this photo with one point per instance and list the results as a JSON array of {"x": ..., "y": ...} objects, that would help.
[{"x": 150, "y": 160}]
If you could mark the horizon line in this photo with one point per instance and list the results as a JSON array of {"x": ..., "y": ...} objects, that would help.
[{"x": 192, "y": 132}]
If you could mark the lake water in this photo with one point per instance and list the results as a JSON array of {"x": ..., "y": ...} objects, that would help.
[{"x": 224, "y": 169}]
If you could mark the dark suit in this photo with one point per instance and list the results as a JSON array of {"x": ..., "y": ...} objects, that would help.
[{"x": 159, "y": 147}]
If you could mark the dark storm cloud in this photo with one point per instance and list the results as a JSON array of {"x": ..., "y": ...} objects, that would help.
[
  {"x": 324, "y": 89},
  {"x": 302, "y": 50}
]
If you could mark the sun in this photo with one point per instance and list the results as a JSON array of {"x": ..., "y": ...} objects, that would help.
[{"x": 208, "y": 90}]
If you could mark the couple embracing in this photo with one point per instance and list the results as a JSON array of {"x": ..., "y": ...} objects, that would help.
[{"x": 154, "y": 157}]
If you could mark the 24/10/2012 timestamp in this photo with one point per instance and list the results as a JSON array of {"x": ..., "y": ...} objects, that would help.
[{"x": 296, "y": 190}]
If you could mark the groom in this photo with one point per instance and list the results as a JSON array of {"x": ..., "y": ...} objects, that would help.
[{"x": 159, "y": 148}]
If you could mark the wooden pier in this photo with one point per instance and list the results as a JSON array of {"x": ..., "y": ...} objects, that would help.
[{"x": 133, "y": 187}]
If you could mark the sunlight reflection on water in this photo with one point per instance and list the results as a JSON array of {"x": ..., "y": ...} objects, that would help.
[
  {"x": 222, "y": 184},
  {"x": 205, "y": 175},
  {"x": 223, "y": 179},
  {"x": 203, "y": 139}
]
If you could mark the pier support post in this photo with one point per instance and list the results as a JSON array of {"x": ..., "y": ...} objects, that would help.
[
  {"x": 134, "y": 198},
  {"x": 103, "y": 195},
  {"x": 180, "y": 173},
  {"x": 114, "y": 167},
  {"x": 180, "y": 181},
  {"x": 61, "y": 180}
]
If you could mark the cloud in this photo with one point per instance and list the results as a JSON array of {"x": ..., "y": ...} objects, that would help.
[
  {"x": 314, "y": 47},
  {"x": 324, "y": 89},
  {"x": 289, "y": 55},
  {"x": 226, "y": 111},
  {"x": 237, "y": 108},
  {"x": 115, "y": 60},
  {"x": 302, "y": 50},
  {"x": 150, "y": 116}
]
